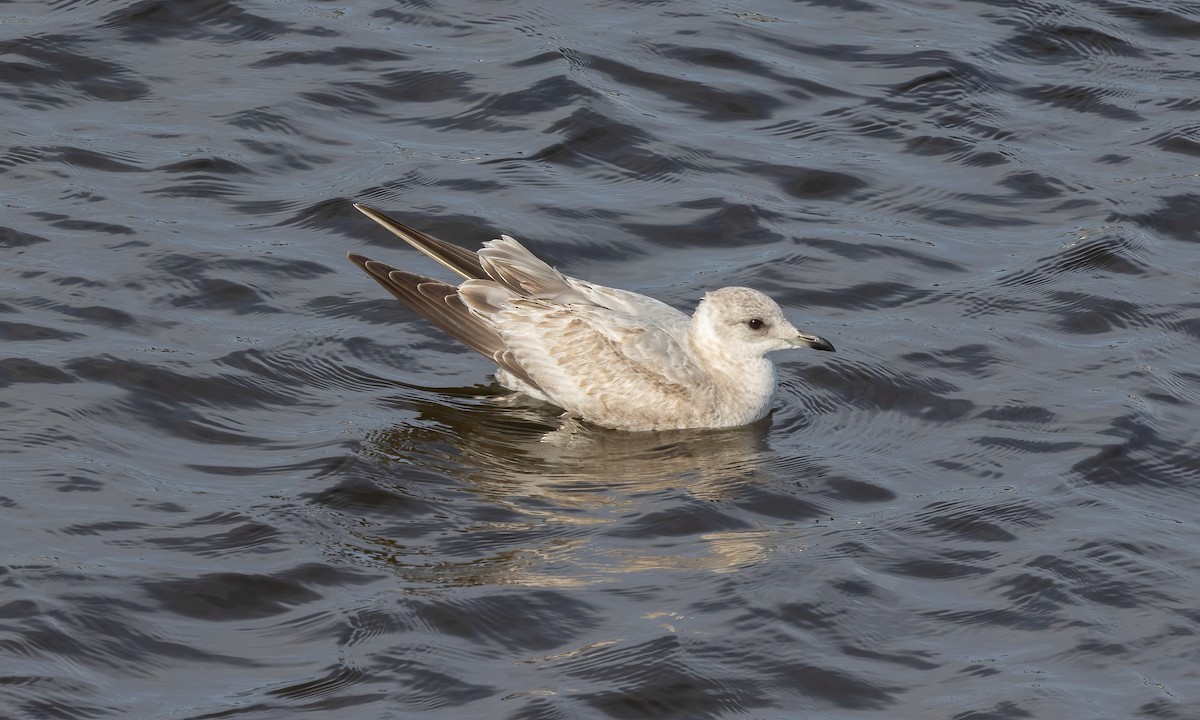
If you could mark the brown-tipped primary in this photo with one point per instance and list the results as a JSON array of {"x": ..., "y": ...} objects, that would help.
[
  {"x": 436, "y": 301},
  {"x": 441, "y": 305}
]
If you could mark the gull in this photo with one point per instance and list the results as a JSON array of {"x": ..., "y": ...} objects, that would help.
[{"x": 610, "y": 357}]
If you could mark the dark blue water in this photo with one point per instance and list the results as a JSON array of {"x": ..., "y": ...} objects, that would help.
[{"x": 241, "y": 482}]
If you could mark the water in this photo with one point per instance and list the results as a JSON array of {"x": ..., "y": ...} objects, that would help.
[{"x": 240, "y": 482}]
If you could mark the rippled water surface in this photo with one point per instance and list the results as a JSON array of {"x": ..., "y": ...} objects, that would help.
[{"x": 239, "y": 481}]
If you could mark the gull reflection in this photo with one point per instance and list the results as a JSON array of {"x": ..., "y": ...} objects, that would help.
[{"x": 530, "y": 499}]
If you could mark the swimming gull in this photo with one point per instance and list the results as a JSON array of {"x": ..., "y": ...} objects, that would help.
[{"x": 611, "y": 357}]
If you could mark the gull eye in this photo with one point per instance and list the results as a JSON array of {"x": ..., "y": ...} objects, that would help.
[{"x": 755, "y": 324}]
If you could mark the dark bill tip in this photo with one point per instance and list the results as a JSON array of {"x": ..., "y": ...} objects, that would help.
[{"x": 812, "y": 341}]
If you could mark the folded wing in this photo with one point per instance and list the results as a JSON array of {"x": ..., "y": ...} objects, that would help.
[
  {"x": 596, "y": 362},
  {"x": 572, "y": 341}
]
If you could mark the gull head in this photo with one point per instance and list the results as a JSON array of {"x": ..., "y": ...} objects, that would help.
[{"x": 746, "y": 322}]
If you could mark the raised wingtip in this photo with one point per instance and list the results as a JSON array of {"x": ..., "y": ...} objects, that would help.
[
  {"x": 396, "y": 228},
  {"x": 374, "y": 214},
  {"x": 461, "y": 261}
]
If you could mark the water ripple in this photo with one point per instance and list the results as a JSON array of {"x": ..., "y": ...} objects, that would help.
[{"x": 241, "y": 483}]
